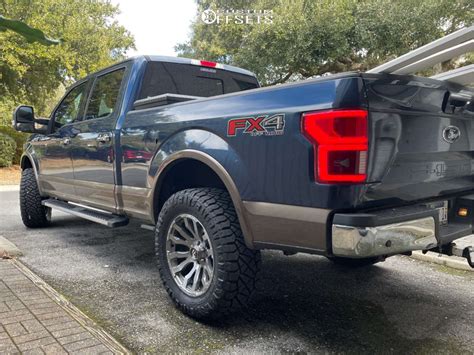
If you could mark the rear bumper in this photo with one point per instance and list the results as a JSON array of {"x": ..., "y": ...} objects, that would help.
[
  {"x": 354, "y": 235},
  {"x": 362, "y": 242},
  {"x": 399, "y": 230}
]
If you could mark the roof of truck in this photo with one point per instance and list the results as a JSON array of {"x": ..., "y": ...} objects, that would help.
[{"x": 180, "y": 60}]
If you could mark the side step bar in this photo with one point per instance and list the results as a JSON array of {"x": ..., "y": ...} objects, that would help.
[
  {"x": 148, "y": 227},
  {"x": 104, "y": 218}
]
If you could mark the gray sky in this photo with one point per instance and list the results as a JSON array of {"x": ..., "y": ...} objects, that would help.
[{"x": 156, "y": 25}]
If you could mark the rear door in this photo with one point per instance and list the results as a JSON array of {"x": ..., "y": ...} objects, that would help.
[
  {"x": 53, "y": 151},
  {"x": 92, "y": 146},
  {"x": 422, "y": 138}
]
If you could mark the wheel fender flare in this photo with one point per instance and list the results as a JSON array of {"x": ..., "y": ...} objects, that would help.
[
  {"x": 28, "y": 156},
  {"x": 167, "y": 155}
]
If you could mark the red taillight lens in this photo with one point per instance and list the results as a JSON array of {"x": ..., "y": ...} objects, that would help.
[{"x": 340, "y": 141}]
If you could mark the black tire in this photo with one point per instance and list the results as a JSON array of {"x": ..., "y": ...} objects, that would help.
[
  {"x": 355, "y": 263},
  {"x": 236, "y": 267},
  {"x": 33, "y": 213}
]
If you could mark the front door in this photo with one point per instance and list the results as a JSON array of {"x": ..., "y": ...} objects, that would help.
[
  {"x": 92, "y": 146},
  {"x": 53, "y": 151}
]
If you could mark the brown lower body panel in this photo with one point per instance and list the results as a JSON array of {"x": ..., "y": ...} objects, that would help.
[{"x": 287, "y": 227}]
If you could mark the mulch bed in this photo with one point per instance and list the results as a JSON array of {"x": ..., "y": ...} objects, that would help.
[{"x": 10, "y": 176}]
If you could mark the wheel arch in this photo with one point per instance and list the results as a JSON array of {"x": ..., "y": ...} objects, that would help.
[
  {"x": 219, "y": 175},
  {"x": 28, "y": 162},
  {"x": 25, "y": 162}
]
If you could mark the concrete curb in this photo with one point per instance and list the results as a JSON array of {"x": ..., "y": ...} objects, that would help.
[
  {"x": 9, "y": 188},
  {"x": 454, "y": 262},
  {"x": 8, "y": 249}
]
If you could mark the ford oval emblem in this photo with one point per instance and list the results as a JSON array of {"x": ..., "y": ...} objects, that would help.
[{"x": 451, "y": 134}]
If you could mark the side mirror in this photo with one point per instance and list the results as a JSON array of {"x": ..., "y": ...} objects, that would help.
[
  {"x": 24, "y": 114},
  {"x": 24, "y": 120}
]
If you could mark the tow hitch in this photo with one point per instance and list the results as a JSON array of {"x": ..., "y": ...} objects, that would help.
[
  {"x": 461, "y": 248},
  {"x": 468, "y": 253}
]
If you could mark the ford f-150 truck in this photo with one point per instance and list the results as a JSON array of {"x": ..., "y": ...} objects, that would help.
[{"x": 356, "y": 167}]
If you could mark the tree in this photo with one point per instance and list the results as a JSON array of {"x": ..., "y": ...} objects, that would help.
[
  {"x": 309, "y": 38},
  {"x": 32, "y": 73},
  {"x": 29, "y": 33}
]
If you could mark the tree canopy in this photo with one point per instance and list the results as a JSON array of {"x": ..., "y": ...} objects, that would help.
[
  {"x": 31, "y": 34},
  {"x": 31, "y": 72},
  {"x": 309, "y": 38}
]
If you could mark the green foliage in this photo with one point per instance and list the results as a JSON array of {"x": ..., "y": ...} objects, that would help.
[
  {"x": 7, "y": 150},
  {"x": 19, "y": 138},
  {"x": 31, "y": 73},
  {"x": 30, "y": 34},
  {"x": 309, "y": 38}
]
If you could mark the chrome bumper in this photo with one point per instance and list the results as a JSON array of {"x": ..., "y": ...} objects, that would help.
[{"x": 361, "y": 242}]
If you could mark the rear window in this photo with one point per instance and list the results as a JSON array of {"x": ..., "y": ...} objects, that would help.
[{"x": 186, "y": 79}]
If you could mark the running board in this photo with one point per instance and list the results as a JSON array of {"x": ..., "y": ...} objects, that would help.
[
  {"x": 104, "y": 218},
  {"x": 148, "y": 227}
]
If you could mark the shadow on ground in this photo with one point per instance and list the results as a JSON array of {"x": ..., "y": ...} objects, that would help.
[{"x": 305, "y": 302}]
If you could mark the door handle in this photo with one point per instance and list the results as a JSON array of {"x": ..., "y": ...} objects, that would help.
[
  {"x": 103, "y": 138},
  {"x": 66, "y": 141}
]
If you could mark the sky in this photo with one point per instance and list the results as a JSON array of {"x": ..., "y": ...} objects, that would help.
[{"x": 157, "y": 25}]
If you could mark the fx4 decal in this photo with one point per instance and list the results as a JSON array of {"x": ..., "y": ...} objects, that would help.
[{"x": 264, "y": 125}]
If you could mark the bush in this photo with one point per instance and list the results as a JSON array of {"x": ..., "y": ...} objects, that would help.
[
  {"x": 19, "y": 138},
  {"x": 7, "y": 150}
]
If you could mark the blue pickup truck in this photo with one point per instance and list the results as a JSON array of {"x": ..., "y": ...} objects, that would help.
[{"x": 356, "y": 167}]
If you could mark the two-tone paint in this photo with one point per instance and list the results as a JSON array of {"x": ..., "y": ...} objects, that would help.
[{"x": 270, "y": 177}]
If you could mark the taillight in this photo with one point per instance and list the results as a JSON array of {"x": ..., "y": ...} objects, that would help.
[{"x": 340, "y": 142}]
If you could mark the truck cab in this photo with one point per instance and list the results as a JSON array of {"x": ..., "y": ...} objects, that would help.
[{"x": 81, "y": 157}]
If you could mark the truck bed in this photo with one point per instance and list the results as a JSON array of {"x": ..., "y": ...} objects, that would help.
[{"x": 408, "y": 158}]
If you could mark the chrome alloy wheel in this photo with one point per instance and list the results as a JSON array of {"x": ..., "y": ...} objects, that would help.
[{"x": 189, "y": 254}]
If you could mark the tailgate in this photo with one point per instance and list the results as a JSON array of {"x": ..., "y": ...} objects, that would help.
[{"x": 421, "y": 137}]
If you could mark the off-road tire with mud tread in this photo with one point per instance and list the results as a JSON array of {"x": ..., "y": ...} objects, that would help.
[
  {"x": 236, "y": 267},
  {"x": 33, "y": 213}
]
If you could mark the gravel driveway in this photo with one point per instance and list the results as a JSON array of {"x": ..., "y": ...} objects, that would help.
[{"x": 306, "y": 303}]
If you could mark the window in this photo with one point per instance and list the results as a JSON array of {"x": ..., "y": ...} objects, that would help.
[
  {"x": 186, "y": 79},
  {"x": 104, "y": 95},
  {"x": 68, "y": 109}
]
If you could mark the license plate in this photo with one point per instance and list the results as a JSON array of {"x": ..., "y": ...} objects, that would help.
[{"x": 442, "y": 208}]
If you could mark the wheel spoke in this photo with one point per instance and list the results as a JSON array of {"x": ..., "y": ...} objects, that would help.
[
  {"x": 178, "y": 254},
  {"x": 208, "y": 268},
  {"x": 184, "y": 234},
  {"x": 197, "y": 277},
  {"x": 178, "y": 268},
  {"x": 177, "y": 240},
  {"x": 190, "y": 274},
  {"x": 196, "y": 230},
  {"x": 190, "y": 228},
  {"x": 206, "y": 275},
  {"x": 205, "y": 239}
]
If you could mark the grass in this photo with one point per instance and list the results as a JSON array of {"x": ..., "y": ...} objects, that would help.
[{"x": 451, "y": 271}]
